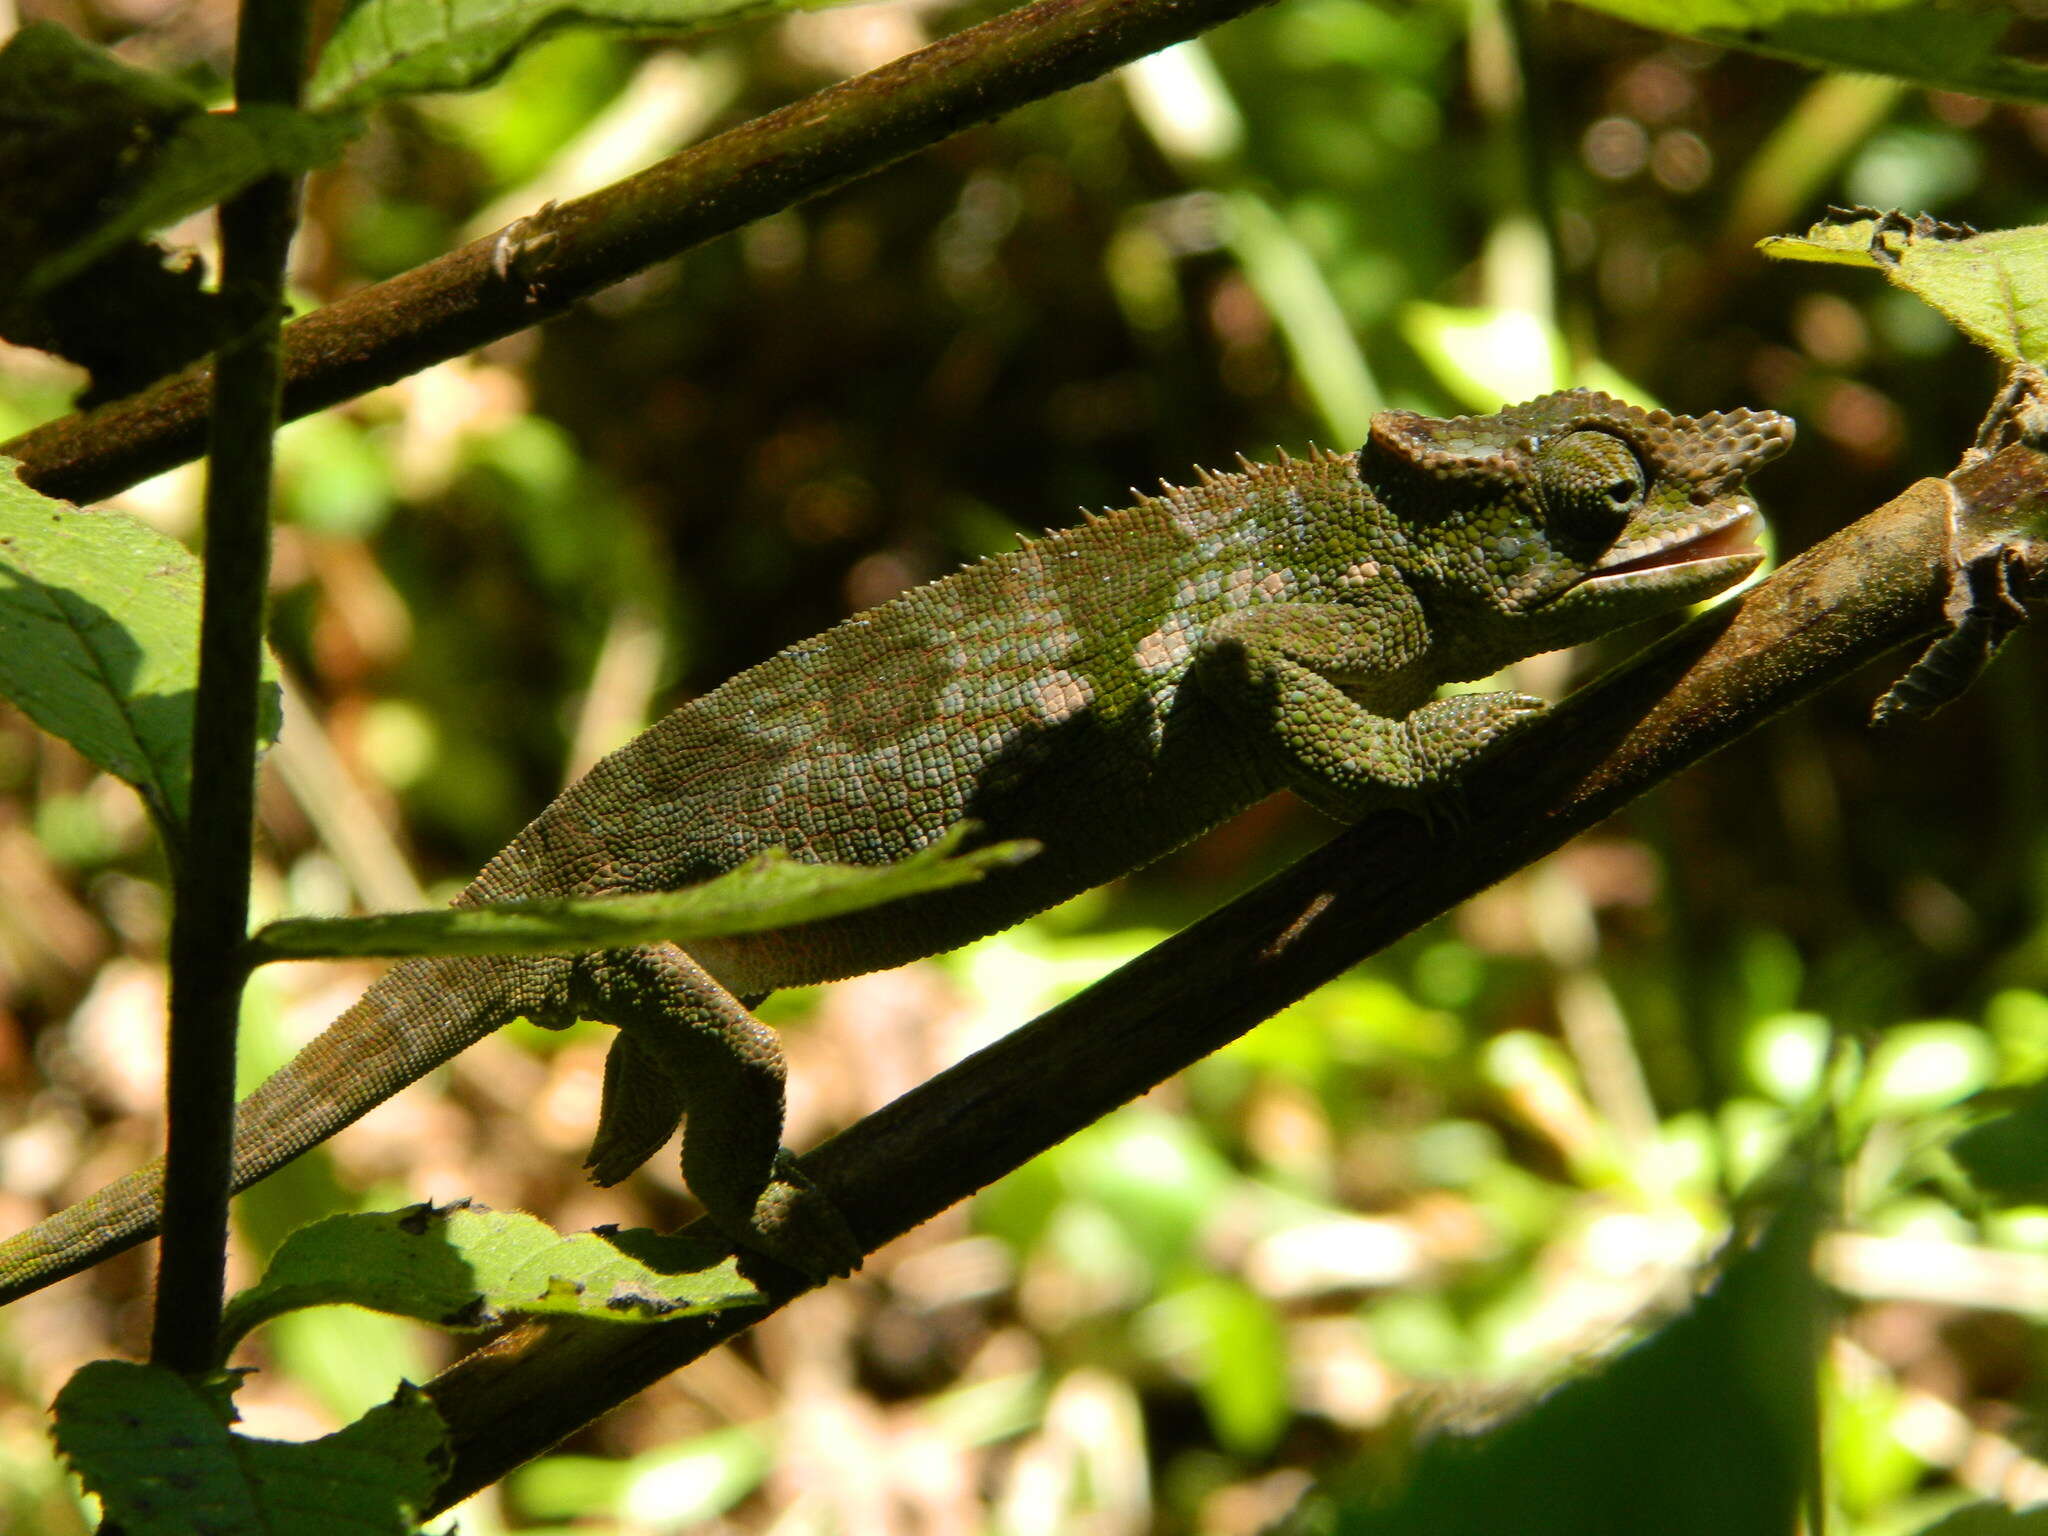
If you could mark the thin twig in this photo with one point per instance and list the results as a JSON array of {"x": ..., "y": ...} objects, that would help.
[
  {"x": 538, "y": 267},
  {"x": 211, "y": 882}
]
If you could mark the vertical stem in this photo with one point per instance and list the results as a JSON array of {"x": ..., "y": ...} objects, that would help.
[
  {"x": 211, "y": 885},
  {"x": 1535, "y": 129}
]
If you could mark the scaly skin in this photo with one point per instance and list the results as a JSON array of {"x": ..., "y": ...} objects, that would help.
[{"x": 1110, "y": 691}]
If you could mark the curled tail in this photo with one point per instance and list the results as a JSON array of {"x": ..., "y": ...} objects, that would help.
[{"x": 418, "y": 1016}]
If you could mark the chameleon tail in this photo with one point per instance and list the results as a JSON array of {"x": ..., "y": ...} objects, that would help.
[{"x": 418, "y": 1016}]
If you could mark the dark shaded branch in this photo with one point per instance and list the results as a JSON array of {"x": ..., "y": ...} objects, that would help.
[
  {"x": 210, "y": 884},
  {"x": 1869, "y": 589},
  {"x": 539, "y": 267}
]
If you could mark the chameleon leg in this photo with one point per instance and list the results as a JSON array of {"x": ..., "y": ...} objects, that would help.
[
  {"x": 640, "y": 1111},
  {"x": 725, "y": 1068},
  {"x": 1277, "y": 670},
  {"x": 1984, "y": 607}
]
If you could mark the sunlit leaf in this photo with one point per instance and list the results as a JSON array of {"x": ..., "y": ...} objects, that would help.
[
  {"x": 99, "y": 641},
  {"x": 464, "y": 1267},
  {"x": 1992, "y": 286},
  {"x": 1153, "y": 1174},
  {"x": 1486, "y": 355},
  {"x": 1233, "y": 1340},
  {"x": 769, "y": 891},
  {"x": 1696, "y": 15},
  {"x": 1950, "y": 47},
  {"x": 1916, "y": 1068},
  {"x": 1787, "y": 1053},
  {"x": 157, "y": 1451},
  {"x": 1992, "y": 1520},
  {"x": 675, "y": 1488},
  {"x": 386, "y": 48}
]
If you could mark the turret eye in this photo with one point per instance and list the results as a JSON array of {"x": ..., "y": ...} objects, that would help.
[{"x": 1591, "y": 484}]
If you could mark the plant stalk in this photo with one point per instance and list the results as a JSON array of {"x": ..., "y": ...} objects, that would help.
[{"x": 210, "y": 883}]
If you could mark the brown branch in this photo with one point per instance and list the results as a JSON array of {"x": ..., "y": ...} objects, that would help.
[
  {"x": 1865, "y": 591},
  {"x": 538, "y": 267}
]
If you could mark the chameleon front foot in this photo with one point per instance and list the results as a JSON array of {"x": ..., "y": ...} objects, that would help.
[
  {"x": 640, "y": 1112},
  {"x": 1985, "y": 606}
]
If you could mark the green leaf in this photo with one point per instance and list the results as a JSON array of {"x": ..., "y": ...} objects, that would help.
[
  {"x": 1992, "y": 1520},
  {"x": 1916, "y": 1069},
  {"x": 76, "y": 119},
  {"x": 464, "y": 1267},
  {"x": 2007, "y": 1157},
  {"x": 1238, "y": 1350},
  {"x": 98, "y": 153},
  {"x": 1993, "y": 287},
  {"x": 1935, "y": 44},
  {"x": 78, "y": 122},
  {"x": 209, "y": 157},
  {"x": 1701, "y": 15},
  {"x": 1155, "y": 1174},
  {"x": 1704, "y": 1428},
  {"x": 1940, "y": 46},
  {"x": 676, "y": 1488},
  {"x": 99, "y": 641},
  {"x": 386, "y": 48},
  {"x": 73, "y": 80},
  {"x": 157, "y": 1451},
  {"x": 769, "y": 891}
]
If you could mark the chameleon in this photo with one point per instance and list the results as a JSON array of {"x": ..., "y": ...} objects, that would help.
[{"x": 1108, "y": 692}]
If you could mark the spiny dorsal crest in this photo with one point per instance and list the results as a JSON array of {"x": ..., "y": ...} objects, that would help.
[{"x": 1214, "y": 497}]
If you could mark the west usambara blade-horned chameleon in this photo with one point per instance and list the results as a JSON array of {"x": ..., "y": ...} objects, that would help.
[{"x": 1109, "y": 691}]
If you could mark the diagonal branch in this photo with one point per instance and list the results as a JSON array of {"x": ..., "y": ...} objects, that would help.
[
  {"x": 538, "y": 267},
  {"x": 1867, "y": 590}
]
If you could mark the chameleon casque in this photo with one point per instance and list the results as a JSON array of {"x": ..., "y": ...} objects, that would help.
[{"x": 1109, "y": 691}]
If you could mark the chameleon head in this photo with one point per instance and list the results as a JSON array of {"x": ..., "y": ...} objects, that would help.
[{"x": 1571, "y": 515}]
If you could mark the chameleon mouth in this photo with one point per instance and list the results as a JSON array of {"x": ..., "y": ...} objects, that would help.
[{"x": 1728, "y": 543}]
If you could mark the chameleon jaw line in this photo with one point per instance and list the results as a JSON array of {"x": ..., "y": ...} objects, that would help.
[{"x": 1729, "y": 544}]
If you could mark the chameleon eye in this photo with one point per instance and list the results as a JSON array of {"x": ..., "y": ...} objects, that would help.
[{"x": 1591, "y": 484}]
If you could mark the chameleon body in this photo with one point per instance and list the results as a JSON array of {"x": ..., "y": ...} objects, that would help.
[{"x": 1109, "y": 691}]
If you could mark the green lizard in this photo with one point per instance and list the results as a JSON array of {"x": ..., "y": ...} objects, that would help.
[{"x": 1109, "y": 691}]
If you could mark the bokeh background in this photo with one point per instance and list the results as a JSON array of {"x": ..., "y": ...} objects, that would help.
[{"x": 1418, "y": 1197}]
